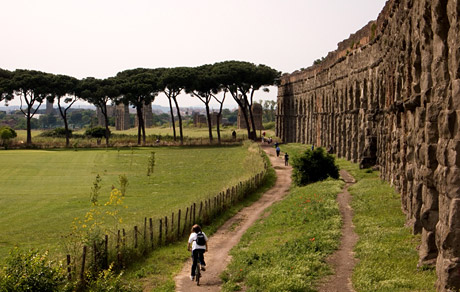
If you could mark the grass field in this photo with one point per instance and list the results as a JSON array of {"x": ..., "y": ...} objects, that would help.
[
  {"x": 191, "y": 132},
  {"x": 43, "y": 191}
]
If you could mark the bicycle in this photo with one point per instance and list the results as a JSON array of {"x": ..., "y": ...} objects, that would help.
[{"x": 198, "y": 273}]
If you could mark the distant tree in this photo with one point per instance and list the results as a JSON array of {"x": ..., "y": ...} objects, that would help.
[
  {"x": 64, "y": 91},
  {"x": 172, "y": 82},
  {"x": 99, "y": 92},
  {"x": 6, "y": 88},
  {"x": 268, "y": 108},
  {"x": 219, "y": 113},
  {"x": 96, "y": 132},
  {"x": 139, "y": 87},
  {"x": 32, "y": 87},
  {"x": 204, "y": 86},
  {"x": 231, "y": 116},
  {"x": 242, "y": 79},
  {"x": 6, "y": 134}
]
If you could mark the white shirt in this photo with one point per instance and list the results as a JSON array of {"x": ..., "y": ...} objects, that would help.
[{"x": 192, "y": 240}]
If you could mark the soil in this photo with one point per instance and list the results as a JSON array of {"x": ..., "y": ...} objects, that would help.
[
  {"x": 227, "y": 236},
  {"x": 343, "y": 261}
]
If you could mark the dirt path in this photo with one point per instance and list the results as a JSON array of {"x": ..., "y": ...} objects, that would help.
[
  {"x": 343, "y": 260},
  {"x": 217, "y": 258}
]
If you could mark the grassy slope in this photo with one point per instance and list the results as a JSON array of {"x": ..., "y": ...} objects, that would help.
[
  {"x": 42, "y": 191},
  {"x": 278, "y": 253}
]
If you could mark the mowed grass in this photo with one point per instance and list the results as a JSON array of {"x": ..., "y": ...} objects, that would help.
[
  {"x": 41, "y": 191},
  {"x": 190, "y": 132},
  {"x": 387, "y": 251}
]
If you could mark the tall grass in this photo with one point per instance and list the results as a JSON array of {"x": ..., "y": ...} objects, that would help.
[{"x": 387, "y": 251}]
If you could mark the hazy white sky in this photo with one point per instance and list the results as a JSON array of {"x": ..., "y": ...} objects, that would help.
[{"x": 99, "y": 38}]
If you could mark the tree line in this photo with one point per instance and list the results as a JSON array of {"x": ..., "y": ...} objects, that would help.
[{"x": 138, "y": 88}]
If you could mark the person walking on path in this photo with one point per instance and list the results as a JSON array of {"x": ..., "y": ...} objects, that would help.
[
  {"x": 278, "y": 150},
  {"x": 198, "y": 245},
  {"x": 286, "y": 159}
]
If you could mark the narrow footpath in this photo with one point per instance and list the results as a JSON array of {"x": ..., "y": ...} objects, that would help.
[
  {"x": 217, "y": 258},
  {"x": 343, "y": 260}
]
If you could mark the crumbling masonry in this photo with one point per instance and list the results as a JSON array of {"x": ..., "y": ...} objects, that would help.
[{"x": 390, "y": 96}]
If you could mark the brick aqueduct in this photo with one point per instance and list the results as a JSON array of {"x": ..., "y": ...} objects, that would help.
[{"x": 390, "y": 96}]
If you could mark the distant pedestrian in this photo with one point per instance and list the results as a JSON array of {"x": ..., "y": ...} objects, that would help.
[
  {"x": 278, "y": 150},
  {"x": 312, "y": 147},
  {"x": 330, "y": 149},
  {"x": 234, "y": 135},
  {"x": 286, "y": 159},
  {"x": 270, "y": 140},
  {"x": 276, "y": 144}
]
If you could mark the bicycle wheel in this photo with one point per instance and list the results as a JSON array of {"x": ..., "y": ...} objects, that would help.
[{"x": 198, "y": 274}]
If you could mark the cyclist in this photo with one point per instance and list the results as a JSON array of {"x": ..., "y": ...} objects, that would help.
[{"x": 198, "y": 244}]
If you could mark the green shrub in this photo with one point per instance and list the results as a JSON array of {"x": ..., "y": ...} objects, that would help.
[
  {"x": 312, "y": 166},
  {"x": 55, "y": 133},
  {"x": 30, "y": 271},
  {"x": 6, "y": 134},
  {"x": 108, "y": 281},
  {"x": 269, "y": 126},
  {"x": 96, "y": 132}
]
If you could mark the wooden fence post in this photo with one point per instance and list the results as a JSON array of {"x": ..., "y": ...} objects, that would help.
[
  {"x": 123, "y": 241},
  {"x": 135, "y": 236},
  {"x": 166, "y": 229},
  {"x": 178, "y": 224},
  {"x": 151, "y": 232},
  {"x": 118, "y": 239},
  {"x": 83, "y": 261},
  {"x": 205, "y": 213},
  {"x": 172, "y": 226},
  {"x": 200, "y": 212},
  {"x": 185, "y": 222},
  {"x": 191, "y": 216},
  {"x": 160, "y": 232},
  {"x": 194, "y": 213},
  {"x": 69, "y": 268},
  {"x": 145, "y": 232}
]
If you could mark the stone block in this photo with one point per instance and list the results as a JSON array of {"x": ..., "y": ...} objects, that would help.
[
  {"x": 456, "y": 94},
  {"x": 431, "y": 132},
  {"x": 453, "y": 153},
  {"x": 453, "y": 183}
]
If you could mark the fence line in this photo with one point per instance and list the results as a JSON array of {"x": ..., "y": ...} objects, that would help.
[{"x": 117, "y": 248}]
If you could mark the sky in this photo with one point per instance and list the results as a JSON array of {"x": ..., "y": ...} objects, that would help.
[{"x": 99, "y": 38}]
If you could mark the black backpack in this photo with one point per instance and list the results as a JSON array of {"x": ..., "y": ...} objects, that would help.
[{"x": 200, "y": 239}]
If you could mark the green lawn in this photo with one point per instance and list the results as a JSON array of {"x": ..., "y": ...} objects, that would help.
[
  {"x": 191, "y": 132},
  {"x": 42, "y": 191}
]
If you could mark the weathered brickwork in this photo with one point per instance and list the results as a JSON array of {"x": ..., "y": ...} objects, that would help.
[{"x": 390, "y": 96}]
